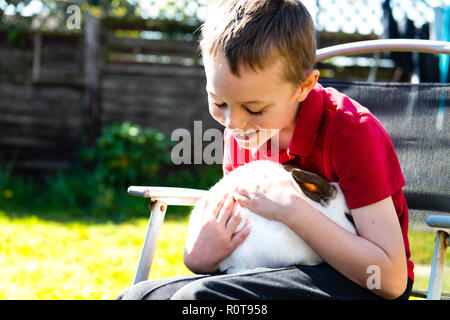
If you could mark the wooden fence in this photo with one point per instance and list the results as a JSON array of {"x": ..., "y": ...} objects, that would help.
[{"x": 58, "y": 90}]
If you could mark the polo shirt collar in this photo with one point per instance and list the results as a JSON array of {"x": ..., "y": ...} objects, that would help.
[{"x": 308, "y": 122}]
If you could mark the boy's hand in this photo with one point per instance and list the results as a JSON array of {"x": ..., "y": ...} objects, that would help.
[
  {"x": 274, "y": 200},
  {"x": 215, "y": 239}
]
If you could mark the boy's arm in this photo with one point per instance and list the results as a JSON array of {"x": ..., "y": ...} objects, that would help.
[
  {"x": 364, "y": 161},
  {"x": 377, "y": 247}
]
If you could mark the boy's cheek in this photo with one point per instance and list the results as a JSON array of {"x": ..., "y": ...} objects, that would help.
[{"x": 217, "y": 115}]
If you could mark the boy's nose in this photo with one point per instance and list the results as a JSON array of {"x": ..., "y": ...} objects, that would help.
[{"x": 234, "y": 120}]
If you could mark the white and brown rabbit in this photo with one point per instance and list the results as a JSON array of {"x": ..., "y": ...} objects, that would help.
[{"x": 270, "y": 243}]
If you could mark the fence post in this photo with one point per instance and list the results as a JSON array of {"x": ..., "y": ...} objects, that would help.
[{"x": 92, "y": 69}]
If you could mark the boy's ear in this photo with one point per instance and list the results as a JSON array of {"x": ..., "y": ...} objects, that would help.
[
  {"x": 307, "y": 85},
  {"x": 314, "y": 186}
]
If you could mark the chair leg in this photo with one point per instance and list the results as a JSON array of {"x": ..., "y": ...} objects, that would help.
[
  {"x": 158, "y": 210},
  {"x": 438, "y": 265}
]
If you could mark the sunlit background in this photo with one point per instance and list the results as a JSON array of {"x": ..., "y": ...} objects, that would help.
[
  {"x": 87, "y": 111},
  {"x": 364, "y": 19}
]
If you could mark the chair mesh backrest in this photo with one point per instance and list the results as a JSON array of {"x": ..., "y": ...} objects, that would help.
[{"x": 416, "y": 118}]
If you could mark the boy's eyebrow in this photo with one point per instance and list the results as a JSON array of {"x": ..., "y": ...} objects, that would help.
[
  {"x": 251, "y": 102},
  {"x": 244, "y": 102}
]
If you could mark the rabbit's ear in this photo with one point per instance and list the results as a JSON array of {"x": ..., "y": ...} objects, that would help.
[{"x": 314, "y": 186}]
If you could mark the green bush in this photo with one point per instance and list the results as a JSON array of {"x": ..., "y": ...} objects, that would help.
[
  {"x": 129, "y": 154},
  {"x": 124, "y": 154},
  {"x": 17, "y": 191}
]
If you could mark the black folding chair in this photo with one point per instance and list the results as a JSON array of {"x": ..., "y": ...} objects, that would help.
[{"x": 416, "y": 118}]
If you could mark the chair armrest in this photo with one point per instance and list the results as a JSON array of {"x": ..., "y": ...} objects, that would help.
[
  {"x": 440, "y": 247},
  {"x": 168, "y": 195},
  {"x": 160, "y": 198},
  {"x": 439, "y": 221}
]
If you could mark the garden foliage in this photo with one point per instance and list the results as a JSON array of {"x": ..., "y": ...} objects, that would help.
[{"x": 124, "y": 154}]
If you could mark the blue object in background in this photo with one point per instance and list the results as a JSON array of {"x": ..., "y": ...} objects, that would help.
[{"x": 442, "y": 22}]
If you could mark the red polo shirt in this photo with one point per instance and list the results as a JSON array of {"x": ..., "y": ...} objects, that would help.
[{"x": 342, "y": 141}]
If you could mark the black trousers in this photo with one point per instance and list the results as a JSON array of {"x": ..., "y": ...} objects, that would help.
[{"x": 297, "y": 282}]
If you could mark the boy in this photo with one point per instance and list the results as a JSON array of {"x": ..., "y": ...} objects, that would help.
[{"x": 258, "y": 58}]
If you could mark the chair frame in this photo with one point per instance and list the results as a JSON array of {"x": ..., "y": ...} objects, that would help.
[{"x": 161, "y": 197}]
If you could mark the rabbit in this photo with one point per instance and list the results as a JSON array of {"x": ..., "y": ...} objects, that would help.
[{"x": 270, "y": 244}]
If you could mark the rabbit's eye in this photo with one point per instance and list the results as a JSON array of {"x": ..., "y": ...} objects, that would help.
[{"x": 311, "y": 187}]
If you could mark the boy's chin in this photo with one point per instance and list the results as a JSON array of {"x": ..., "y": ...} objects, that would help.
[{"x": 250, "y": 145}]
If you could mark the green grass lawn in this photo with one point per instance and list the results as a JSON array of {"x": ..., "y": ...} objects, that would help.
[
  {"x": 422, "y": 247},
  {"x": 44, "y": 258}
]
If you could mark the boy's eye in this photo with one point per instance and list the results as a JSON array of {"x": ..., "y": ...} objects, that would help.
[
  {"x": 222, "y": 105},
  {"x": 255, "y": 113}
]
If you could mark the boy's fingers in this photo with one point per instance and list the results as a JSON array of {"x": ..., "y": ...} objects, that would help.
[
  {"x": 234, "y": 221},
  {"x": 242, "y": 200},
  {"x": 226, "y": 210},
  {"x": 241, "y": 191},
  {"x": 219, "y": 206},
  {"x": 241, "y": 235}
]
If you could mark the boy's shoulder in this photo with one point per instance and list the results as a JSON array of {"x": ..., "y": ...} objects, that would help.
[
  {"x": 342, "y": 105},
  {"x": 346, "y": 116},
  {"x": 359, "y": 151}
]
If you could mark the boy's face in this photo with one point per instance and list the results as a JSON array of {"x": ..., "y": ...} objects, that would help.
[{"x": 255, "y": 106}]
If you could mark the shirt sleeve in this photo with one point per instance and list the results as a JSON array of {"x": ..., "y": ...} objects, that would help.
[{"x": 365, "y": 162}]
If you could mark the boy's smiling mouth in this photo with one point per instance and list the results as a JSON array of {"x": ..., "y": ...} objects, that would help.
[{"x": 244, "y": 135}]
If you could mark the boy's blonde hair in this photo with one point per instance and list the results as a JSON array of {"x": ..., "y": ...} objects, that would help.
[{"x": 252, "y": 33}]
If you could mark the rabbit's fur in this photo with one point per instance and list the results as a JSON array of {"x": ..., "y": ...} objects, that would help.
[{"x": 270, "y": 243}]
